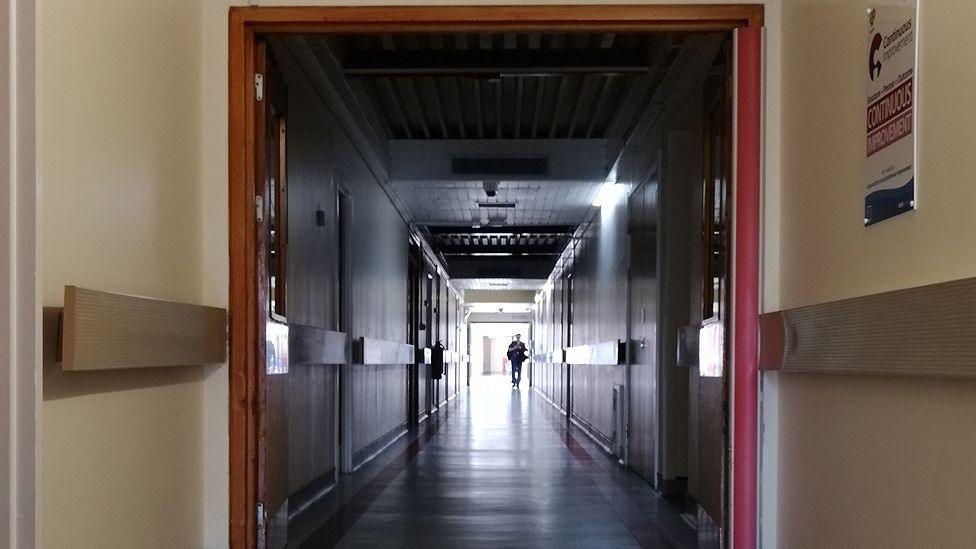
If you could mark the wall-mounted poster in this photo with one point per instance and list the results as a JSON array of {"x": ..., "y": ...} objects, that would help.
[{"x": 891, "y": 63}]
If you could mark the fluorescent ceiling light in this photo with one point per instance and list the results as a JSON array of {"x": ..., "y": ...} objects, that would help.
[
  {"x": 608, "y": 193},
  {"x": 491, "y": 254}
]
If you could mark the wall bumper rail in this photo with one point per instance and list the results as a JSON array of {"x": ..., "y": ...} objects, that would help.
[
  {"x": 376, "y": 351},
  {"x": 312, "y": 346},
  {"x": 108, "y": 331},
  {"x": 610, "y": 353},
  {"x": 423, "y": 355},
  {"x": 925, "y": 331}
]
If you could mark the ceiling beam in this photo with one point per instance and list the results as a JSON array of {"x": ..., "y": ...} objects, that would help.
[
  {"x": 498, "y": 109},
  {"x": 557, "y": 106},
  {"x": 518, "y": 105},
  {"x": 501, "y": 267},
  {"x": 585, "y": 83},
  {"x": 371, "y": 63},
  {"x": 539, "y": 91},
  {"x": 602, "y": 96},
  {"x": 477, "y": 108},
  {"x": 565, "y": 230},
  {"x": 412, "y": 86},
  {"x": 439, "y": 107},
  {"x": 398, "y": 107},
  {"x": 459, "y": 109},
  {"x": 531, "y": 249}
]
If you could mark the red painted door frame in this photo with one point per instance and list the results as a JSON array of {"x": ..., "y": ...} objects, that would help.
[{"x": 746, "y": 279}]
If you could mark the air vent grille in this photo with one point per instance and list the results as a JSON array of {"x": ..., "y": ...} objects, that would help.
[
  {"x": 497, "y": 204},
  {"x": 467, "y": 165}
]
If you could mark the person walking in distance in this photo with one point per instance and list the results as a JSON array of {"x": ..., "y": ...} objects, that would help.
[{"x": 517, "y": 354}]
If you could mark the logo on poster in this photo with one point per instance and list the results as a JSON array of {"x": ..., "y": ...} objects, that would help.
[{"x": 874, "y": 64}]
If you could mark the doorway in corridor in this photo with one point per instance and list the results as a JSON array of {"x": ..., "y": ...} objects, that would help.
[
  {"x": 489, "y": 348},
  {"x": 496, "y": 101}
]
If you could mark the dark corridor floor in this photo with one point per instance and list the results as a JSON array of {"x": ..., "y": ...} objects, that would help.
[{"x": 493, "y": 468}]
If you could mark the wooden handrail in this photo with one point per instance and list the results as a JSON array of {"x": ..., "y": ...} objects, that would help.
[{"x": 106, "y": 331}]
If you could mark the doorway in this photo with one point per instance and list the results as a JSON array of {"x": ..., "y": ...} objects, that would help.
[
  {"x": 248, "y": 477},
  {"x": 489, "y": 345}
]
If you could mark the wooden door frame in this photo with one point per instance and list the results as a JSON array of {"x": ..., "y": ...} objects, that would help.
[{"x": 247, "y": 22}]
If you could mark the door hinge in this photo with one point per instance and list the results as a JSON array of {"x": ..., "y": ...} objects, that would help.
[
  {"x": 259, "y": 208},
  {"x": 260, "y": 516},
  {"x": 259, "y": 87}
]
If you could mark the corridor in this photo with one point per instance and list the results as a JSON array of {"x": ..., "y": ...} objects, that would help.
[{"x": 494, "y": 467}]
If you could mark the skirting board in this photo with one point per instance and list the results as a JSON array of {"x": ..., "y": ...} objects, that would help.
[
  {"x": 366, "y": 454},
  {"x": 925, "y": 331},
  {"x": 310, "y": 494}
]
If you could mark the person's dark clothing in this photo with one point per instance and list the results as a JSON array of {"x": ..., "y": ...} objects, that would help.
[{"x": 517, "y": 354}]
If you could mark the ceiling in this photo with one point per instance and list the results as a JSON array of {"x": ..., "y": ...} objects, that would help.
[
  {"x": 464, "y": 203},
  {"x": 499, "y": 85},
  {"x": 498, "y": 283},
  {"x": 550, "y": 112},
  {"x": 508, "y": 251}
]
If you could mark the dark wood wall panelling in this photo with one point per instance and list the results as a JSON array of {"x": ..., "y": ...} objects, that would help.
[
  {"x": 599, "y": 305},
  {"x": 322, "y": 161},
  {"x": 312, "y": 285},
  {"x": 642, "y": 429}
]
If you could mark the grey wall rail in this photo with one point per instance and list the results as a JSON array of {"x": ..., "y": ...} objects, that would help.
[
  {"x": 552, "y": 357},
  {"x": 377, "y": 351},
  {"x": 606, "y": 353},
  {"x": 924, "y": 331},
  {"x": 310, "y": 346}
]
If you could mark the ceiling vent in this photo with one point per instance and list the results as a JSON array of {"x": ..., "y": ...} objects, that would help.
[
  {"x": 523, "y": 166},
  {"x": 497, "y": 204}
]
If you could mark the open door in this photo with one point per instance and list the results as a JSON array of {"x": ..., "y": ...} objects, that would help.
[
  {"x": 271, "y": 239},
  {"x": 728, "y": 341},
  {"x": 713, "y": 381},
  {"x": 414, "y": 323}
]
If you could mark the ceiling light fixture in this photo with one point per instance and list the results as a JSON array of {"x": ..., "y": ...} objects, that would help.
[{"x": 609, "y": 192}]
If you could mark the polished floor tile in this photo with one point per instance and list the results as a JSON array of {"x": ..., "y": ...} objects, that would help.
[{"x": 494, "y": 468}]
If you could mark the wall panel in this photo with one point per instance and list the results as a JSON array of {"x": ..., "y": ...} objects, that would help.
[
  {"x": 642, "y": 345},
  {"x": 313, "y": 274},
  {"x": 599, "y": 305},
  {"x": 322, "y": 162}
]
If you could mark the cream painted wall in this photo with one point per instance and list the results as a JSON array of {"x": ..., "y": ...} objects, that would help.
[
  {"x": 119, "y": 160},
  {"x": 827, "y": 253},
  {"x": 872, "y": 462}
]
